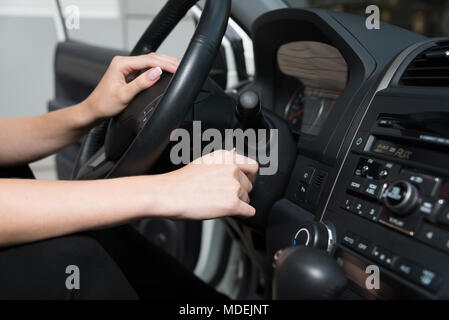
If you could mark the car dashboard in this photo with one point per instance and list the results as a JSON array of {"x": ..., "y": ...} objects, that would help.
[{"x": 368, "y": 113}]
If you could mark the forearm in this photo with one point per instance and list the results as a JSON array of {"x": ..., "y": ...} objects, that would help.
[
  {"x": 33, "y": 210},
  {"x": 27, "y": 139}
]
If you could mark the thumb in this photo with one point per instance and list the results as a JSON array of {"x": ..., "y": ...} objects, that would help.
[{"x": 142, "y": 82}]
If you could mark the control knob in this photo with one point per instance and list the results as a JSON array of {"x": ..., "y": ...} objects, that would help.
[
  {"x": 401, "y": 197},
  {"x": 315, "y": 235}
]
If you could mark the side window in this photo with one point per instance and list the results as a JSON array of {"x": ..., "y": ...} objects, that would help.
[{"x": 119, "y": 24}]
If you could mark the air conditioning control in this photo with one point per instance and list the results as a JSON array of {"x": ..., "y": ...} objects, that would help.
[
  {"x": 314, "y": 234},
  {"x": 401, "y": 197}
]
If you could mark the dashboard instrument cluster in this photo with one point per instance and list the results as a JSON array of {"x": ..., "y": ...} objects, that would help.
[{"x": 322, "y": 73}]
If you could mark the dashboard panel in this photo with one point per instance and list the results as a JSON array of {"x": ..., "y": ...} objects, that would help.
[
  {"x": 372, "y": 152},
  {"x": 390, "y": 201}
]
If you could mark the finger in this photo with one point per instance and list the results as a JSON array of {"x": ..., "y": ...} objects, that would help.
[
  {"x": 142, "y": 82},
  {"x": 245, "y": 210},
  {"x": 243, "y": 195},
  {"x": 171, "y": 63},
  {"x": 249, "y": 166},
  {"x": 169, "y": 58},
  {"x": 244, "y": 182},
  {"x": 148, "y": 61}
]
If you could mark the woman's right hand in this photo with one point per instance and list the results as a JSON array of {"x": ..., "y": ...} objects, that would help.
[{"x": 214, "y": 186}]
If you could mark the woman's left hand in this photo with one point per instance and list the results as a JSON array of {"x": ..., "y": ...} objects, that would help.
[{"x": 113, "y": 93}]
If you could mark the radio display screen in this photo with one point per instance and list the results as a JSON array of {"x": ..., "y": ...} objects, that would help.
[
  {"x": 410, "y": 153},
  {"x": 394, "y": 150}
]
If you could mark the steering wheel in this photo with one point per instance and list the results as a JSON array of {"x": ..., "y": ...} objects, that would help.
[{"x": 135, "y": 139}]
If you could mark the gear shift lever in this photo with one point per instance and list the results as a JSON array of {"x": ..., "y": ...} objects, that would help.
[
  {"x": 248, "y": 110},
  {"x": 303, "y": 273}
]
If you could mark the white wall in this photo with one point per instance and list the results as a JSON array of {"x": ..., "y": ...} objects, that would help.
[{"x": 28, "y": 39}]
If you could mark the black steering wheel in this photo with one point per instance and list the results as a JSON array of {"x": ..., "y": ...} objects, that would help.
[{"x": 134, "y": 140}]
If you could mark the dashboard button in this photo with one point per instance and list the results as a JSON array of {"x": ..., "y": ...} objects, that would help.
[
  {"x": 424, "y": 277},
  {"x": 427, "y": 185},
  {"x": 372, "y": 189},
  {"x": 349, "y": 239},
  {"x": 306, "y": 174},
  {"x": 356, "y": 184},
  {"x": 383, "y": 174},
  {"x": 372, "y": 212},
  {"x": 363, "y": 246},
  {"x": 386, "y": 123},
  {"x": 359, "y": 207},
  {"x": 383, "y": 256},
  {"x": 360, "y": 141},
  {"x": 430, "y": 208},
  {"x": 406, "y": 268},
  {"x": 302, "y": 192},
  {"x": 368, "y": 168},
  {"x": 429, "y": 234},
  {"x": 435, "y": 237},
  {"x": 348, "y": 204},
  {"x": 426, "y": 208},
  {"x": 428, "y": 279}
]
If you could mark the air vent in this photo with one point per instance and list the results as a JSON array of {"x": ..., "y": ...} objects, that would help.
[
  {"x": 429, "y": 69},
  {"x": 319, "y": 180}
]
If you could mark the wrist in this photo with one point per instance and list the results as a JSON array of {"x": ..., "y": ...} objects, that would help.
[
  {"x": 164, "y": 200},
  {"x": 153, "y": 197},
  {"x": 90, "y": 108},
  {"x": 86, "y": 115}
]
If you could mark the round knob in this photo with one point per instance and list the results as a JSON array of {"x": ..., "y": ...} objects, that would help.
[
  {"x": 306, "y": 273},
  {"x": 401, "y": 197},
  {"x": 248, "y": 109},
  {"x": 314, "y": 235},
  {"x": 249, "y": 101}
]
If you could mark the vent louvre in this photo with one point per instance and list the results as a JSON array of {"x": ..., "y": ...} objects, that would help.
[
  {"x": 429, "y": 69},
  {"x": 319, "y": 180}
]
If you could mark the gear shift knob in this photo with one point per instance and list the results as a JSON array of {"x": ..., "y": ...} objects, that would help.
[
  {"x": 303, "y": 273},
  {"x": 249, "y": 110}
]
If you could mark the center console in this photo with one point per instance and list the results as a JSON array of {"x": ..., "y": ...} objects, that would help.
[
  {"x": 390, "y": 205},
  {"x": 371, "y": 190}
]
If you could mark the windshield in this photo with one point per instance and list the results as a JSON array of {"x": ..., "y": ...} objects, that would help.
[{"x": 427, "y": 17}]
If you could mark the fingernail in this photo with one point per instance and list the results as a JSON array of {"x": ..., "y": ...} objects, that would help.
[{"x": 155, "y": 73}]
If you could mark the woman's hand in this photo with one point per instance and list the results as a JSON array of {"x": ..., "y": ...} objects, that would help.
[
  {"x": 113, "y": 93},
  {"x": 55, "y": 130},
  {"x": 214, "y": 186}
]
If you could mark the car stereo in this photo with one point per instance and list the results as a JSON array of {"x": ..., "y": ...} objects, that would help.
[
  {"x": 396, "y": 179},
  {"x": 388, "y": 187}
]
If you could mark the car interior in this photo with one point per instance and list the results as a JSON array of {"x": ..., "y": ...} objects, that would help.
[{"x": 363, "y": 147}]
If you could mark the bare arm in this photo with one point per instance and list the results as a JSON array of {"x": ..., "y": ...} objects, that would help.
[
  {"x": 34, "y": 210},
  {"x": 27, "y": 139}
]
